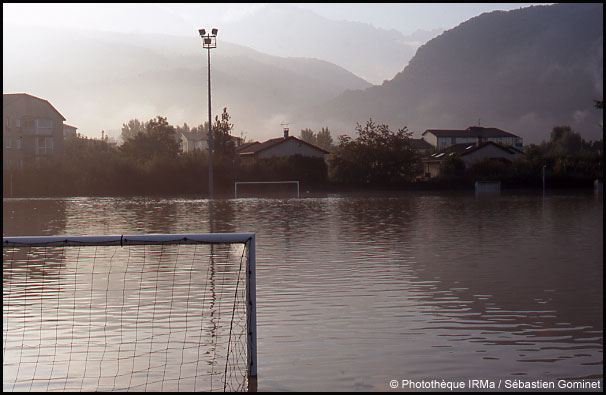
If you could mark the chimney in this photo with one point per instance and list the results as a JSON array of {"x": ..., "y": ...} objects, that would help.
[{"x": 286, "y": 133}]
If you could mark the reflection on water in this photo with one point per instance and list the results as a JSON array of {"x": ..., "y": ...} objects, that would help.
[
  {"x": 354, "y": 291},
  {"x": 21, "y": 217},
  {"x": 143, "y": 318}
]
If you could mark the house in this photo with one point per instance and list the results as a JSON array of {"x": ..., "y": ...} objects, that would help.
[
  {"x": 69, "y": 132},
  {"x": 32, "y": 129},
  {"x": 470, "y": 154},
  {"x": 279, "y": 147},
  {"x": 442, "y": 138},
  {"x": 199, "y": 141},
  {"x": 421, "y": 145},
  {"x": 193, "y": 140}
]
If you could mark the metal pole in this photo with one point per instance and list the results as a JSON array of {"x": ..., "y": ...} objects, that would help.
[
  {"x": 251, "y": 307},
  {"x": 210, "y": 138}
]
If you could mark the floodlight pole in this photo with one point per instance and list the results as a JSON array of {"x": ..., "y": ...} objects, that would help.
[{"x": 209, "y": 41}]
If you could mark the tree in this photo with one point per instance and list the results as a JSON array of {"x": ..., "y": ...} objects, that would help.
[
  {"x": 564, "y": 141},
  {"x": 183, "y": 129},
  {"x": 223, "y": 143},
  {"x": 131, "y": 129},
  {"x": 309, "y": 136},
  {"x": 452, "y": 166},
  {"x": 158, "y": 140},
  {"x": 324, "y": 139},
  {"x": 378, "y": 156}
]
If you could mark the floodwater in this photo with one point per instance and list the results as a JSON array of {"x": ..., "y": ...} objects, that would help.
[{"x": 362, "y": 292}]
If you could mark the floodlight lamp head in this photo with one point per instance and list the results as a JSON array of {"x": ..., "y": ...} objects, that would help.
[
  {"x": 214, "y": 32},
  {"x": 202, "y": 32},
  {"x": 208, "y": 41}
]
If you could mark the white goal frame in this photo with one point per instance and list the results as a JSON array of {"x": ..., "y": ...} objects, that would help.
[
  {"x": 264, "y": 182},
  {"x": 247, "y": 239}
]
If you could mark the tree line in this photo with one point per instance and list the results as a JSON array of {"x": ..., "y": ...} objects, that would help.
[{"x": 151, "y": 161}]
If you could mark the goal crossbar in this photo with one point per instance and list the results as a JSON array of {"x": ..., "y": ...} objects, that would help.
[
  {"x": 248, "y": 239},
  {"x": 189, "y": 238},
  {"x": 263, "y": 182}
]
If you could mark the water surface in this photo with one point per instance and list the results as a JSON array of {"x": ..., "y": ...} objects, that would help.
[{"x": 354, "y": 291}]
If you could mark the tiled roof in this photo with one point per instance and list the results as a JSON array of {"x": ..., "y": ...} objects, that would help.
[
  {"x": 245, "y": 146},
  {"x": 420, "y": 144},
  {"x": 255, "y": 148},
  {"x": 9, "y": 98},
  {"x": 472, "y": 131},
  {"x": 467, "y": 148}
]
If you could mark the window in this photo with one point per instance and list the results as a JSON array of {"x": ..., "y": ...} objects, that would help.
[
  {"x": 44, "y": 145},
  {"x": 9, "y": 142},
  {"x": 18, "y": 143},
  {"x": 44, "y": 126},
  {"x": 44, "y": 123}
]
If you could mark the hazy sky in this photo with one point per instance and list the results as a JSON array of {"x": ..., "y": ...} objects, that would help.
[{"x": 183, "y": 18}]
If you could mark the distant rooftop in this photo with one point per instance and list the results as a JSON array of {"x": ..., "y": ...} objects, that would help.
[
  {"x": 9, "y": 98},
  {"x": 256, "y": 147},
  {"x": 420, "y": 144},
  {"x": 472, "y": 131}
]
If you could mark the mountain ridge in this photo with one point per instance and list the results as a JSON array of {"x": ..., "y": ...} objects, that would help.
[
  {"x": 524, "y": 71},
  {"x": 109, "y": 78}
]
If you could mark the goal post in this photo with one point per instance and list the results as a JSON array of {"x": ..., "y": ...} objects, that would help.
[
  {"x": 264, "y": 182},
  {"x": 130, "y": 312}
]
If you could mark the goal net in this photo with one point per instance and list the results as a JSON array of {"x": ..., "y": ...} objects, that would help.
[{"x": 140, "y": 313}]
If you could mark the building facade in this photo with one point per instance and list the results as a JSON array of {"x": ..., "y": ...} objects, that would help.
[
  {"x": 191, "y": 141},
  {"x": 32, "y": 129},
  {"x": 69, "y": 132}
]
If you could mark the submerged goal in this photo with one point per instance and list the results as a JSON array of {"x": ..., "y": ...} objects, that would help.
[{"x": 139, "y": 312}]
